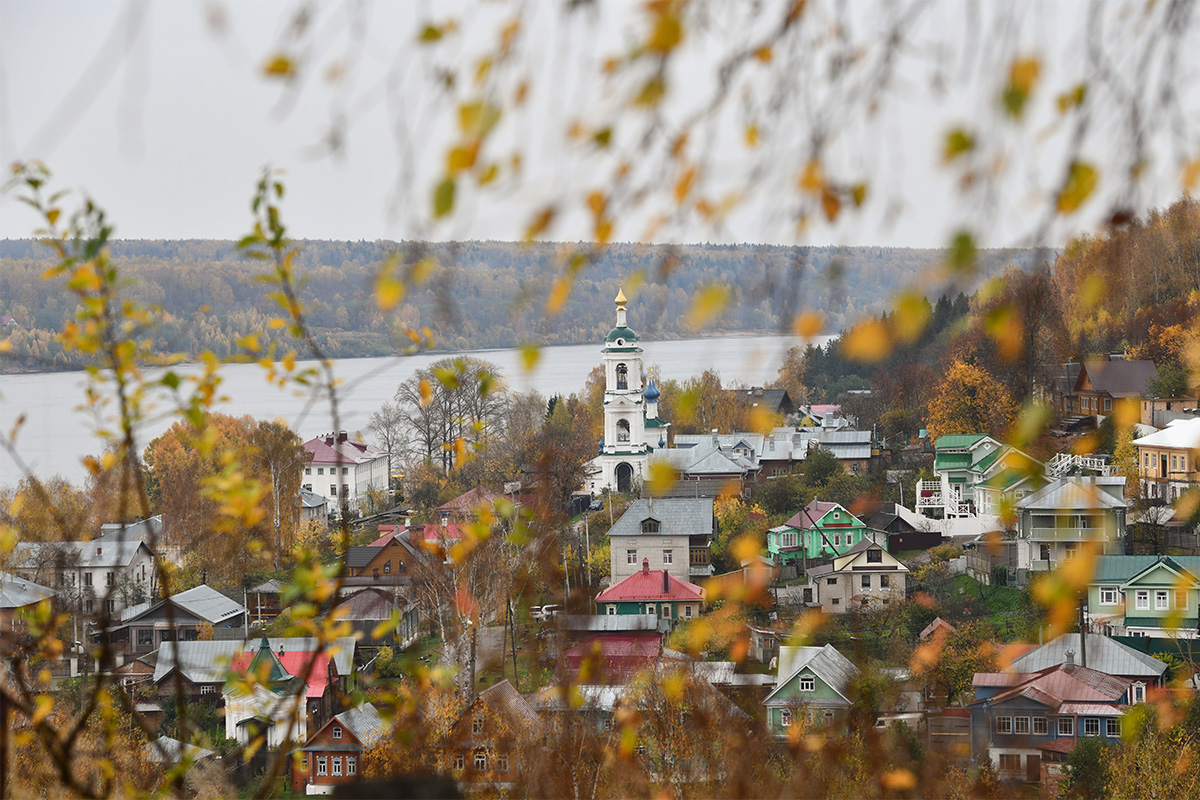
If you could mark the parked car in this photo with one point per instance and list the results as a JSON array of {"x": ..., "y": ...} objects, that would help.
[
  {"x": 596, "y": 505},
  {"x": 543, "y": 613}
]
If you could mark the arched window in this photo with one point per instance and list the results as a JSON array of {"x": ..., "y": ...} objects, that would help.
[
  {"x": 622, "y": 430},
  {"x": 622, "y": 376}
]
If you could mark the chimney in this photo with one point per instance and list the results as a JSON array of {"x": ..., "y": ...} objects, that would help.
[
  {"x": 329, "y": 439},
  {"x": 666, "y": 583},
  {"x": 342, "y": 436},
  {"x": 714, "y": 433},
  {"x": 645, "y": 566},
  {"x": 1070, "y": 664}
]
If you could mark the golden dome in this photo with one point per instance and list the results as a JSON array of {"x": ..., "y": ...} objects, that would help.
[{"x": 621, "y": 301}]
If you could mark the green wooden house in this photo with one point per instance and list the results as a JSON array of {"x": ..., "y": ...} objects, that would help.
[
  {"x": 1153, "y": 596},
  {"x": 812, "y": 689},
  {"x": 820, "y": 530}
]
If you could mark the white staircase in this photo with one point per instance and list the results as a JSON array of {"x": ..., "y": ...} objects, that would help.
[{"x": 1063, "y": 463}]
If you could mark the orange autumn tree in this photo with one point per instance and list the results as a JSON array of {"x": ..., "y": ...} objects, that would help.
[{"x": 969, "y": 400}]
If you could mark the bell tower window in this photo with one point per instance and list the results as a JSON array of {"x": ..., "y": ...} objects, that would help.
[
  {"x": 622, "y": 376},
  {"x": 622, "y": 430}
]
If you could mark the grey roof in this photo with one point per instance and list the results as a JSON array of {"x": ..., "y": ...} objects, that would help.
[
  {"x": 1077, "y": 492},
  {"x": 144, "y": 531},
  {"x": 365, "y": 723},
  {"x": 1118, "y": 569},
  {"x": 360, "y": 555},
  {"x": 1103, "y": 654},
  {"x": 16, "y": 592},
  {"x": 312, "y": 499},
  {"x": 677, "y": 516},
  {"x": 1121, "y": 378},
  {"x": 611, "y": 623},
  {"x": 1184, "y": 433},
  {"x": 706, "y": 458},
  {"x": 208, "y": 662},
  {"x": 825, "y": 662},
  {"x": 270, "y": 587},
  {"x": 96, "y": 553},
  {"x": 165, "y": 750},
  {"x": 207, "y": 603}
]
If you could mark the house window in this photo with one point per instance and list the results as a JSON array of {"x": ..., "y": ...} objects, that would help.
[
  {"x": 612, "y": 611},
  {"x": 885, "y": 581},
  {"x": 308, "y": 487},
  {"x": 1112, "y": 727},
  {"x": 1066, "y": 726},
  {"x": 460, "y": 761},
  {"x": 345, "y": 470},
  {"x": 1020, "y": 724},
  {"x": 1108, "y": 595},
  {"x": 831, "y": 581},
  {"x": 308, "y": 470},
  {"x": 631, "y": 556},
  {"x": 785, "y": 717},
  {"x": 337, "y": 766},
  {"x": 337, "y": 731},
  {"x": 345, "y": 490},
  {"x": 351, "y": 765},
  {"x": 807, "y": 683},
  {"x": 666, "y": 611},
  {"x": 1139, "y": 692},
  {"x": 87, "y": 579},
  {"x": 622, "y": 430},
  {"x": 874, "y": 556},
  {"x": 1044, "y": 553},
  {"x": 320, "y": 470},
  {"x": 1160, "y": 600},
  {"x": 1091, "y": 727},
  {"x": 1143, "y": 600},
  {"x": 322, "y": 765},
  {"x": 502, "y": 762},
  {"x": 333, "y": 490},
  {"x": 687, "y": 612},
  {"x": 866, "y": 581},
  {"x": 477, "y": 724},
  {"x": 668, "y": 556},
  {"x": 1010, "y": 762},
  {"x": 1146, "y": 461},
  {"x": 112, "y": 606},
  {"x": 109, "y": 579},
  {"x": 649, "y": 526},
  {"x": 1072, "y": 549},
  {"x": 1039, "y": 726},
  {"x": 480, "y": 761},
  {"x": 1108, "y": 404},
  {"x": 208, "y": 689},
  {"x": 837, "y": 540},
  {"x": 1181, "y": 603},
  {"x": 387, "y": 568},
  {"x": 1003, "y": 724},
  {"x": 145, "y": 638},
  {"x": 837, "y": 601}
]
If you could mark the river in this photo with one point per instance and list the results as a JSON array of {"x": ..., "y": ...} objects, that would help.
[{"x": 56, "y": 435}]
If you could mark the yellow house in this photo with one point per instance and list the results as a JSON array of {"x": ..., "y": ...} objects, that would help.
[{"x": 1167, "y": 459}]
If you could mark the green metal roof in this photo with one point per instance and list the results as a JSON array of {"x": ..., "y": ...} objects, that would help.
[
  {"x": 621, "y": 333},
  {"x": 990, "y": 458},
  {"x": 959, "y": 440},
  {"x": 1118, "y": 569},
  {"x": 1159, "y": 622},
  {"x": 948, "y": 461}
]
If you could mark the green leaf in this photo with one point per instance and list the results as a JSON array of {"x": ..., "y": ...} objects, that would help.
[
  {"x": 961, "y": 255},
  {"x": 443, "y": 198},
  {"x": 170, "y": 380},
  {"x": 1081, "y": 182},
  {"x": 958, "y": 141}
]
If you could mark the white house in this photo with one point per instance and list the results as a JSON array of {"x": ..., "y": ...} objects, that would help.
[
  {"x": 1068, "y": 514},
  {"x": 669, "y": 533},
  {"x": 340, "y": 467},
  {"x": 103, "y": 576}
]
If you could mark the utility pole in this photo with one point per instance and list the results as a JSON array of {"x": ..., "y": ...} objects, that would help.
[{"x": 512, "y": 618}]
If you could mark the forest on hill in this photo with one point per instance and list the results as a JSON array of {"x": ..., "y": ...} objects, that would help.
[{"x": 475, "y": 294}]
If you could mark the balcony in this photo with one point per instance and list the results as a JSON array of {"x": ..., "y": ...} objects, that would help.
[{"x": 1069, "y": 534}]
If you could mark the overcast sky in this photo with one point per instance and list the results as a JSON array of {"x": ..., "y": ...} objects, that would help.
[{"x": 165, "y": 118}]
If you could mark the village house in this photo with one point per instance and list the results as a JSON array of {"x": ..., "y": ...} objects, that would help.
[
  {"x": 369, "y": 608},
  {"x": 348, "y": 469},
  {"x": 18, "y": 597},
  {"x": 976, "y": 475},
  {"x": 813, "y": 688},
  {"x": 466, "y": 507},
  {"x": 670, "y": 533},
  {"x": 103, "y": 576},
  {"x": 1139, "y": 670},
  {"x": 1167, "y": 460},
  {"x": 1017, "y": 716},
  {"x": 143, "y": 628},
  {"x": 820, "y": 530},
  {"x": 652, "y": 592},
  {"x": 865, "y": 576},
  {"x": 333, "y": 755},
  {"x": 271, "y": 706},
  {"x": 489, "y": 744},
  {"x": 1154, "y": 596},
  {"x": 1067, "y": 514},
  {"x": 385, "y": 562},
  {"x": 1100, "y": 383}
]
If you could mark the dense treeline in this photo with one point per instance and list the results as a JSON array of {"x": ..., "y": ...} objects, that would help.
[{"x": 480, "y": 294}]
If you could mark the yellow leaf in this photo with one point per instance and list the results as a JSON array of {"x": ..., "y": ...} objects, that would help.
[
  {"x": 558, "y": 295},
  {"x": 812, "y": 178},
  {"x": 808, "y": 324},
  {"x": 752, "y": 135},
  {"x": 958, "y": 141},
  {"x": 461, "y": 158},
  {"x": 1191, "y": 174},
  {"x": 279, "y": 66},
  {"x": 662, "y": 477},
  {"x": 388, "y": 291},
  {"x": 597, "y": 203},
  {"x": 603, "y": 231},
  {"x": 540, "y": 223},
  {"x": 867, "y": 342},
  {"x": 530, "y": 354},
  {"x": 910, "y": 316},
  {"x": 667, "y": 33},
  {"x": 709, "y": 302},
  {"x": 651, "y": 93},
  {"x": 898, "y": 780},
  {"x": 764, "y": 54},
  {"x": 42, "y": 707},
  {"x": 831, "y": 204},
  {"x": 1081, "y": 182},
  {"x": 1004, "y": 326},
  {"x": 684, "y": 185},
  {"x": 426, "y": 389}
]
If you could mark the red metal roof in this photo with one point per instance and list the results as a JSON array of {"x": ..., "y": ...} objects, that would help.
[
  {"x": 648, "y": 585},
  {"x": 294, "y": 662},
  {"x": 328, "y": 449}
]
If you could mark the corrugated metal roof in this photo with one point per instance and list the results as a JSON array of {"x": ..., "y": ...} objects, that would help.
[
  {"x": 1075, "y": 492},
  {"x": 1121, "y": 378},
  {"x": 826, "y": 662},
  {"x": 643, "y": 586},
  {"x": 365, "y": 723},
  {"x": 1092, "y": 709},
  {"x": 1184, "y": 433},
  {"x": 955, "y": 441},
  {"x": 207, "y": 603},
  {"x": 611, "y": 623},
  {"x": 1103, "y": 654},
  {"x": 210, "y": 662},
  {"x": 677, "y": 516},
  {"x": 96, "y": 553}
]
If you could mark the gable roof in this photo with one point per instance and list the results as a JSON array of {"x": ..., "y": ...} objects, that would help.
[
  {"x": 503, "y": 698},
  {"x": 1103, "y": 653},
  {"x": 1169, "y": 563},
  {"x": 372, "y": 604},
  {"x": 331, "y": 449},
  {"x": 677, "y": 516},
  {"x": 1077, "y": 492},
  {"x": 1118, "y": 378},
  {"x": 145, "y": 530},
  {"x": 363, "y": 722},
  {"x": 1120, "y": 569},
  {"x": 16, "y": 592},
  {"x": 468, "y": 502},
  {"x": 1060, "y": 684},
  {"x": 98, "y": 553},
  {"x": 1184, "y": 433},
  {"x": 212, "y": 661},
  {"x": 207, "y": 603},
  {"x": 825, "y": 662},
  {"x": 648, "y": 585},
  {"x": 811, "y": 514}
]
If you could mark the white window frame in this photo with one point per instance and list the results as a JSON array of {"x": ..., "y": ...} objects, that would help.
[
  {"x": 1108, "y": 595},
  {"x": 1006, "y": 762},
  {"x": 807, "y": 683},
  {"x": 1138, "y": 692},
  {"x": 460, "y": 762},
  {"x": 612, "y": 611},
  {"x": 337, "y": 767},
  {"x": 351, "y": 765},
  {"x": 1004, "y": 724},
  {"x": 1091, "y": 726},
  {"x": 1162, "y": 600},
  {"x": 480, "y": 761},
  {"x": 336, "y": 731},
  {"x": 1021, "y": 725},
  {"x": 1142, "y": 599},
  {"x": 687, "y": 611},
  {"x": 1066, "y": 726},
  {"x": 631, "y": 556},
  {"x": 668, "y": 556},
  {"x": 1040, "y": 728},
  {"x": 785, "y": 717},
  {"x": 1112, "y": 727}
]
